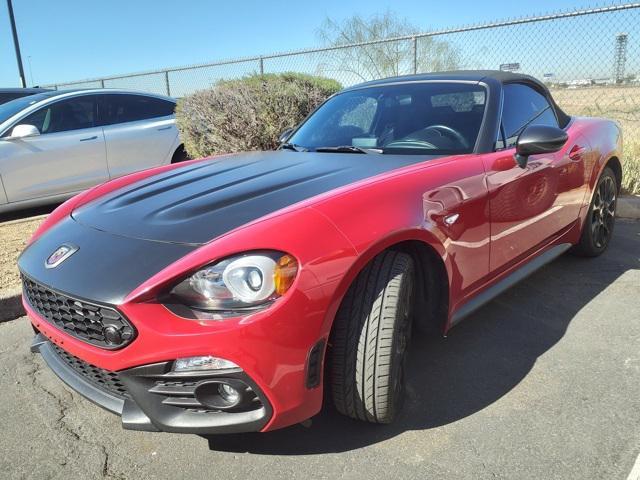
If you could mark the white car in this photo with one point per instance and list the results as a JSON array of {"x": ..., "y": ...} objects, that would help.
[{"x": 58, "y": 143}]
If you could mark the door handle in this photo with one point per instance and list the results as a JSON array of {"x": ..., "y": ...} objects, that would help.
[
  {"x": 164, "y": 128},
  {"x": 88, "y": 138},
  {"x": 576, "y": 153}
]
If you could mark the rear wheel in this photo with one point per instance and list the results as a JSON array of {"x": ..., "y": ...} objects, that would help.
[
  {"x": 369, "y": 340},
  {"x": 598, "y": 226},
  {"x": 180, "y": 155}
]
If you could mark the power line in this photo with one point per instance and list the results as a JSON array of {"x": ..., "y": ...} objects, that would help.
[{"x": 30, "y": 70}]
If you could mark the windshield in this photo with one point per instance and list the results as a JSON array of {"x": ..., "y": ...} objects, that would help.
[
  {"x": 411, "y": 118},
  {"x": 9, "y": 109}
]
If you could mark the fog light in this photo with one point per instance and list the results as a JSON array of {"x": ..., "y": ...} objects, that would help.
[
  {"x": 228, "y": 393},
  {"x": 207, "y": 362}
]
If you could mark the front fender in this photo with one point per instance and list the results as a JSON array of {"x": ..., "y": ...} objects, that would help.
[
  {"x": 338, "y": 289},
  {"x": 443, "y": 206}
]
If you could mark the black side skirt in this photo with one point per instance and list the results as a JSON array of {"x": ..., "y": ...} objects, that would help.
[{"x": 509, "y": 281}]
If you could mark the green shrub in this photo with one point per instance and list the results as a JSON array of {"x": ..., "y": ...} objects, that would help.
[{"x": 249, "y": 113}]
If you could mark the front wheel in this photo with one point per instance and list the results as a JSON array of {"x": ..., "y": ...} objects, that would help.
[
  {"x": 369, "y": 340},
  {"x": 598, "y": 226}
]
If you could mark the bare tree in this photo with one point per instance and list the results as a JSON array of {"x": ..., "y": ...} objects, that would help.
[{"x": 383, "y": 59}]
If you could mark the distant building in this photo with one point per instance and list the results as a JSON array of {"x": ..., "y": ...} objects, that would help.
[{"x": 582, "y": 82}]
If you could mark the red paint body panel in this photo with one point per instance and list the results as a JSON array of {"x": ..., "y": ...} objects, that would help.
[{"x": 504, "y": 216}]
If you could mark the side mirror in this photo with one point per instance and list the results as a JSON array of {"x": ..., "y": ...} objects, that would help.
[
  {"x": 284, "y": 136},
  {"x": 23, "y": 131},
  {"x": 536, "y": 139}
]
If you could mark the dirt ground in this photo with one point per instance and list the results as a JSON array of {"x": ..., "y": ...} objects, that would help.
[
  {"x": 622, "y": 103},
  {"x": 13, "y": 238}
]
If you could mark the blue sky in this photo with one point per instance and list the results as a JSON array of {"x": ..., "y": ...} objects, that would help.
[{"x": 73, "y": 39}]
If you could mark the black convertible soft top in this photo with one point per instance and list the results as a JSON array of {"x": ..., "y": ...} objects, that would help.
[{"x": 488, "y": 76}]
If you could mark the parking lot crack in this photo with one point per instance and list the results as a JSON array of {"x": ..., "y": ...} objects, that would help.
[{"x": 62, "y": 407}]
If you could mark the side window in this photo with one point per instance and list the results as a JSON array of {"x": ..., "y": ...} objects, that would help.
[
  {"x": 130, "y": 108},
  {"x": 523, "y": 106},
  {"x": 73, "y": 114}
]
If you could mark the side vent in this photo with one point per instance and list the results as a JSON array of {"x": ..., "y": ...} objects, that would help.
[{"x": 314, "y": 364}]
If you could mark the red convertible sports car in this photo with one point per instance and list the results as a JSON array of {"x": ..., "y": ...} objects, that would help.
[{"x": 224, "y": 294}]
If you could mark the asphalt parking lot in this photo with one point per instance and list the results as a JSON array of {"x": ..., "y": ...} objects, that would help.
[{"x": 542, "y": 383}]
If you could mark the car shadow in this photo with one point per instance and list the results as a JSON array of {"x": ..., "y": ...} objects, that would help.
[
  {"x": 480, "y": 361},
  {"x": 26, "y": 213}
]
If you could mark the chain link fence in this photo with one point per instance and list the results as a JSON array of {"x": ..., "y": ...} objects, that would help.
[{"x": 589, "y": 58}]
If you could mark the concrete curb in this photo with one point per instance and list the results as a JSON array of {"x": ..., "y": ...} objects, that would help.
[
  {"x": 628, "y": 207},
  {"x": 11, "y": 304}
]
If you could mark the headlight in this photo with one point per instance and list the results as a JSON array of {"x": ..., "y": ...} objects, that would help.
[{"x": 242, "y": 282}]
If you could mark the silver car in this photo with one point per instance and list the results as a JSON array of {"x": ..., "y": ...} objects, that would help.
[{"x": 56, "y": 144}]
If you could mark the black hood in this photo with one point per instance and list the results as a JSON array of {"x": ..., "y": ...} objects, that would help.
[
  {"x": 129, "y": 235},
  {"x": 199, "y": 202},
  {"x": 104, "y": 269}
]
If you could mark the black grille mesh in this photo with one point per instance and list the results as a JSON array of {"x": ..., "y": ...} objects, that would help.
[
  {"x": 95, "y": 324},
  {"x": 101, "y": 378}
]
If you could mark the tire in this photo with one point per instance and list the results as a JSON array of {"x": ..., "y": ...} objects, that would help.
[
  {"x": 598, "y": 226},
  {"x": 180, "y": 155},
  {"x": 369, "y": 340}
]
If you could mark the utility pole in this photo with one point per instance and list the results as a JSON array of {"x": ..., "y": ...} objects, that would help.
[{"x": 16, "y": 44}]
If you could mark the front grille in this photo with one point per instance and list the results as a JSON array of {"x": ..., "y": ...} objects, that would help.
[
  {"x": 99, "y": 377},
  {"x": 95, "y": 324}
]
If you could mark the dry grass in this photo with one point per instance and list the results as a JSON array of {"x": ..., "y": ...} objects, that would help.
[
  {"x": 631, "y": 168},
  {"x": 620, "y": 103},
  {"x": 13, "y": 237}
]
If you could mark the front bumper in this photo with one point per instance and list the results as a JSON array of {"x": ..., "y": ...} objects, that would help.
[
  {"x": 279, "y": 348},
  {"x": 153, "y": 398}
]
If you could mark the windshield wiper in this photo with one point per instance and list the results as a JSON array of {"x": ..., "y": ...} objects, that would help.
[
  {"x": 292, "y": 146},
  {"x": 348, "y": 149}
]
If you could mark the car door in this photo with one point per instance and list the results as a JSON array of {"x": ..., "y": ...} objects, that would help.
[
  {"x": 67, "y": 156},
  {"x": 527, "y": 205},
  {"x": 139, "y": 131}
]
